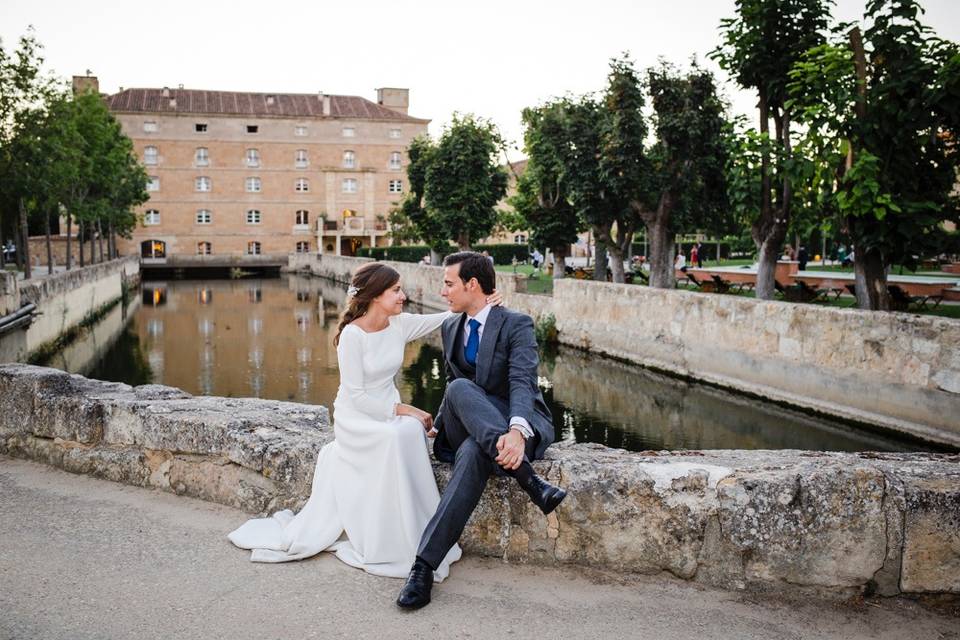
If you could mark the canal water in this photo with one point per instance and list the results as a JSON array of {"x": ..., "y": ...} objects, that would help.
[{"x": 273, "y": 338}]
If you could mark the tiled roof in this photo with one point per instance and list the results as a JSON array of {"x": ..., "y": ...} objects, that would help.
[{"x": 292, "y": 105}]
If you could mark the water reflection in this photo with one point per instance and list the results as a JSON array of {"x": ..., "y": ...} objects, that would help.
[{"x": 217, "y": 343}]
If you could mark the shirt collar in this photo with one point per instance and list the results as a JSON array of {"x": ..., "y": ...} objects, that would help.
[{"x": 481, "y": 316}]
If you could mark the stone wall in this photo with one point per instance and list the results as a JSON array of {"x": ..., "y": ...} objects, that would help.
[
  {"x": 788, "y": 521},
  {"x": 64, "y": 300},
  {"x": 9, "y": 293},
  {"x": 894, "y": 371}
]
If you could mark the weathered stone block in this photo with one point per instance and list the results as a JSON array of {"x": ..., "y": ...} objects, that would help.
[
  {"x": 931, "y": 536},
  {"x": 820, "y": 525}
]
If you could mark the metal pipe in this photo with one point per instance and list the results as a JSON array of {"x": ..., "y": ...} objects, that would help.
[{"x": 25, "y": 311}]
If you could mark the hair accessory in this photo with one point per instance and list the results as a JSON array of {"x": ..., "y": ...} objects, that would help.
[{"x": 352, "y": 290}]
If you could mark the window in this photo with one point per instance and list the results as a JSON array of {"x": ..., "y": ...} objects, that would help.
[
  {"x": 202, "y": 183},
  {"x": 253, "y": 216},
  {"x": 153, "y": 183},
  {"x": 396, "y": 186},
  {"x": 150, "y": 155},
  {"x": 152, "y": 216},
  {"x": 204, "y": 248},
  {"x": 201, "y": 157},
  {"x": 519, "y": 239},
  {"x": 149, "y": 126},
  {"x": 349, "y": 185},
  {"x": 303, "y": 247},
  {"x": 300, "y": 159},
  {"x": 253, "y": 248},
  {"x": 349, "y": 160},
  {"x": 253, "y": 185},
  {"x": 204, "y": 216},
  {"x": 252, "y": 128},
  {"x": 302, "y": 218},
  {"x": 300, "y": 131},
  {"x": 253, "y": 158},
  {"x": 302, "y": 186},
  {"x": 395, "y": 160},
  {"x": 349, "y": 132},
  {"x": 394, "y": 133},
  {"x": 200, "y": 127}
]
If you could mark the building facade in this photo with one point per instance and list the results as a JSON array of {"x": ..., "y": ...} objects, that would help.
[{"x": 235, "y": 174}]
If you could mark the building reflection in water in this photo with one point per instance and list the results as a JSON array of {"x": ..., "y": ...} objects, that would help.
[{"x": 229, "y": 352}]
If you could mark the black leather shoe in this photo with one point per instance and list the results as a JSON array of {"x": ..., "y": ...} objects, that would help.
[
  {"x": 544, "y": 495},
  {"x": 416, "y": 590}
]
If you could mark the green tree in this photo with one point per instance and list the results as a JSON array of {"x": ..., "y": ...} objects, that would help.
[
  {"x": 882, "y": 112},
  {"x": 411, "y": 221},
  {"x": 463, "y": 180},
  {"x": 685, "y": 188},
  {"x": 24, "y": 93},
  {"x": 542, "y": 199},
  {"x": 760, "y": 47}
]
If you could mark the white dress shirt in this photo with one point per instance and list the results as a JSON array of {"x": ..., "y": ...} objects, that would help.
[{"x": 516, "y": 422}]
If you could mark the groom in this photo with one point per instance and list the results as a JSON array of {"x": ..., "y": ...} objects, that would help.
[{"x": 492, "y": 418}]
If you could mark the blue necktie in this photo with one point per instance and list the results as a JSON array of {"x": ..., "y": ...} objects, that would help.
[{"x": 473, "y": 343}]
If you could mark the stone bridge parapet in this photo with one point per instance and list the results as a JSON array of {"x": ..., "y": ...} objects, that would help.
[{"x": 779, "y": 521}]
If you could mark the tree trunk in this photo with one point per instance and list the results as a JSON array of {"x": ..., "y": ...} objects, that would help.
[
  {"x": 599, "y": 258},
  {"x": 871, "y": 278},
  {"x": 435, "y": 258},
  {"x": 25, "y": 233},
  {"x": 111, "y": 242},
  {"x": 559, "y": 260},
  {"x": 69, "y": 241},
  {"x": 769, "y": 251},
  {"x": 100, "y": 238},
  {"x": 3, "y": 253},
  {"x": 46, "y": 225},
  {"x": 80, "y": 227},
  {"x": 463, "y": 240},
  {"x": 660, "y": 255},
  {"x": 616, "y": 263},
  {"x": 93, "y": 248}
]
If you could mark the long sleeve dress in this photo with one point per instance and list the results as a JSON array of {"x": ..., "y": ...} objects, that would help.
[{"x": 373, "y": 488}]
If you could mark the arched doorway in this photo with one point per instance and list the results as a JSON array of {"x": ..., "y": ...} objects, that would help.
[{"x": 153, "y": 249}]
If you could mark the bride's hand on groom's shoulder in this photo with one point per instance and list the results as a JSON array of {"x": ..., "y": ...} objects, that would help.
[{"x": 495, "y": 298}]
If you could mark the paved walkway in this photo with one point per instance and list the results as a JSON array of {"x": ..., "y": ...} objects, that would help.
[{"x": 85, "y": 558}]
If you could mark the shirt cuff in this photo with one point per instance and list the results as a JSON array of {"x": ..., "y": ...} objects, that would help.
[{"x": 521, "y": 425}]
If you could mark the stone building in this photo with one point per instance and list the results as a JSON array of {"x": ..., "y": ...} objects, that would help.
[{"x": 246, "y": 174}]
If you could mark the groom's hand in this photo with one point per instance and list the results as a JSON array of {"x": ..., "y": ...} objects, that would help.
[{"x": 512, "y": 447}]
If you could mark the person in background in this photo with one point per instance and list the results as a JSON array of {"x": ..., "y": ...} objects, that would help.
[
  {"x": 425, "y": 260},
  {"x": 699, "y": 256},
  {"x": 802, "y": 258},
  {"x": 694, "y": 254},
  {"x": 536, "y": 258},
  {"x": 487, "y": 255},
  {"x": 680, "y": 262}
]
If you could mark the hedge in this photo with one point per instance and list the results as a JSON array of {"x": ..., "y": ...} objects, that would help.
[{"x": 501, "y": 253}]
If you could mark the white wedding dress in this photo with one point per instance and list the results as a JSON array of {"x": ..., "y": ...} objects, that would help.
[{"x": 373, "y": 487}]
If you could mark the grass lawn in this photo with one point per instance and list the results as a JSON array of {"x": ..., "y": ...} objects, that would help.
[{"x": 540, "y": 282}]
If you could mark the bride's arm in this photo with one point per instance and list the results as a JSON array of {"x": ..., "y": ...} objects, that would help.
[
  {"x": 417, "y": 325},
  {"x": 350, "y": 361}
]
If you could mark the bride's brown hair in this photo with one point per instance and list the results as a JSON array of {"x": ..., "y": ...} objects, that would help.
[{"x": 370, "y": 281}]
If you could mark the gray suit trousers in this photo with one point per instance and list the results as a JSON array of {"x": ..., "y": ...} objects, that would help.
[{"x": 473, "y": 421}]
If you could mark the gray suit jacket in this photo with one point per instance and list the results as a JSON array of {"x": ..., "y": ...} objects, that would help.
[{"x": 506, "y": 368}]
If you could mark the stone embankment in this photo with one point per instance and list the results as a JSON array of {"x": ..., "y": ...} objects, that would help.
[
  {"x": 893, "y": 371},
  {"x": 785, "y": 521},
  {"x": 63, "y": 301}
]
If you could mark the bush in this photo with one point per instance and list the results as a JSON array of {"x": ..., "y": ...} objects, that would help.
[
  {"x": 504, "y": 253},
  {"x": 501, "y": 253},
  {"x": 546, "y": 330}
]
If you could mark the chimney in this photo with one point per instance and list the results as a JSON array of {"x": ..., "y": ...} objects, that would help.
[
  {"x": 166, "y": 92},
  {"x": 83, "y": 84},
  {"x": 395, "y": 99}
]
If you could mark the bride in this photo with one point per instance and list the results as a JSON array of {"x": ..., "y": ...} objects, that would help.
[{"x": 373, "y": 487}]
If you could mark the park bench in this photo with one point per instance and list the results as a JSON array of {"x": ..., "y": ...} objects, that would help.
[
  {"x": 901, "y": 300},
  {"x": 721, "y": 285},
  {"x": 811, "y": 294}
]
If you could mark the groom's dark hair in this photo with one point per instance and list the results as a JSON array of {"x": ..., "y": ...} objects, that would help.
[{"x": 474, "y": 265}]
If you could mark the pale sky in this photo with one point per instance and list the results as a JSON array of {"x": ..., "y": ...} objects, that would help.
[{"x": 488, "y": 57}]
